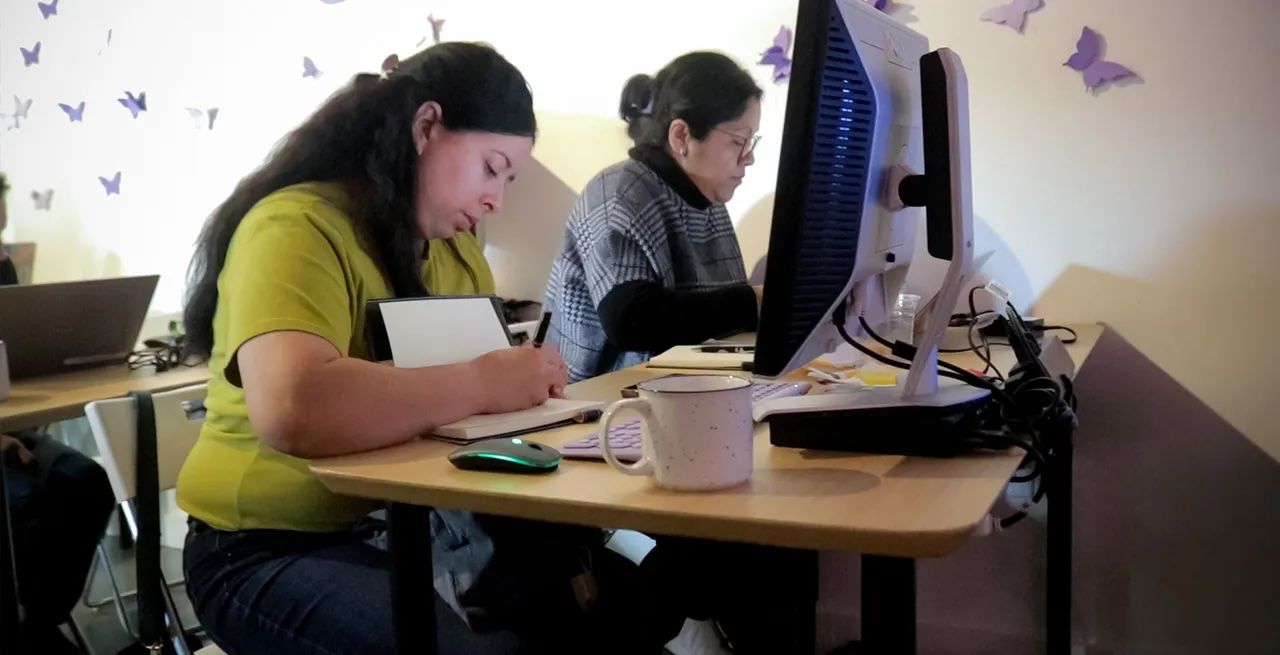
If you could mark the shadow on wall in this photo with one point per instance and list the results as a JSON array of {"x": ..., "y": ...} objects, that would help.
[
  {"x": 1204, "y": 311},
  {"x": 522, "y": 240},
  {"x": 991, "y": 254}
]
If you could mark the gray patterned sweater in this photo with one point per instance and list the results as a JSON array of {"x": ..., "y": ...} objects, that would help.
[{"x": 647, "y": 263}]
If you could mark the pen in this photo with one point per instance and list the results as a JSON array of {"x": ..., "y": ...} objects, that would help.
[{"x": 541, "y": 334}]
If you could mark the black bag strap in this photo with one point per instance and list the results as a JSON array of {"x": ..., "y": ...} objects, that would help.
[
  {"x": 10, "y": 610},
  {"x": 147, "y": 503}
]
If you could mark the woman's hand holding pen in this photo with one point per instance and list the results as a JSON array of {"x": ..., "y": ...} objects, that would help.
[{"x": 520, "y": 378}]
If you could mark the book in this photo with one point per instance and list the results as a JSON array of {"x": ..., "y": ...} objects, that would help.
[
  {"x": 551, "y": 414},
  {"x": 708, "y": 356}
]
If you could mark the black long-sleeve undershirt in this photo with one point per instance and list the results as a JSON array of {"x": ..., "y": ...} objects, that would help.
[{"x": 645, "y": 316}]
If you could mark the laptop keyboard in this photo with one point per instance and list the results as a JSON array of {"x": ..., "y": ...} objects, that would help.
[{"x": 625, "y": 437}]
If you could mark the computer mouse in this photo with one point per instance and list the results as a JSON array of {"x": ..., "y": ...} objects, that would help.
[{"x": 506, "y": 455}]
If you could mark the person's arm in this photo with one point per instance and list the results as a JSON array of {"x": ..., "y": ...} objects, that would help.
[
  {"x": 305, "y": 399},
  {"x": 644, "y": 316},
  {"x": 287, "y": 330}
]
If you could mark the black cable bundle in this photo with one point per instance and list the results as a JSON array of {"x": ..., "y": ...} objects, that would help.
[{"x": 1029, "y": 410}]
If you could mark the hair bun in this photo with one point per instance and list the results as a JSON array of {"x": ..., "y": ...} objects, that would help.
[{"x": 637, "y": 97}]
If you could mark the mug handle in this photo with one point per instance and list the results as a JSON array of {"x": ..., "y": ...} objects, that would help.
[{"x": 641, "y": 407}]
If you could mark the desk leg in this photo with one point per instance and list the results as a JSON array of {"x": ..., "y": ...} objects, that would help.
[
  {"x": 1058, "y": 548},
  {"x": 888, "y": 605},
  {"x": 412, "y": 590}
]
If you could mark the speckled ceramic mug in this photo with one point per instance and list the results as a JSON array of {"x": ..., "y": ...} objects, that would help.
[{"x": 697, "y": 431}]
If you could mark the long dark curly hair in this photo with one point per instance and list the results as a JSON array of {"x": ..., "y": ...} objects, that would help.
[{"x": 362, "y": 137}]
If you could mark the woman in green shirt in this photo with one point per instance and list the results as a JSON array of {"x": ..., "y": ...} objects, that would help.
[{"x": 374, "y": 196}]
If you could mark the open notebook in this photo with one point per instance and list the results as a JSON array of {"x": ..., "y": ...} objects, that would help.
[
  {"x": 440, "y": 330},
  {"x": 553, "y": 413}
]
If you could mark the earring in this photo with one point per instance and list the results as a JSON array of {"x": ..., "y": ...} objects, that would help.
[{"x": 684, "y": 152}]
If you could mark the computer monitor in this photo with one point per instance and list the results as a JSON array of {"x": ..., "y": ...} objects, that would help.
[{"x": 876, "y": 129}]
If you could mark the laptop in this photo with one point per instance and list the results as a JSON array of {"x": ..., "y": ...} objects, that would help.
[{"x": 51, "y": 328}]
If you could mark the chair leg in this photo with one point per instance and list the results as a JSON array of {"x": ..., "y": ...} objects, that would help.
[
  {"x": 78, "y": 636},
  {"x": 115, "y": 590}
]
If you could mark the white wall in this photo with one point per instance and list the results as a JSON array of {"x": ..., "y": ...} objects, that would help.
[{"x": 1151, "y": 206}]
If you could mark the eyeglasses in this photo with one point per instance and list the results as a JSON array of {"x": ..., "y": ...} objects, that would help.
[{"x": 748, "y": 142}]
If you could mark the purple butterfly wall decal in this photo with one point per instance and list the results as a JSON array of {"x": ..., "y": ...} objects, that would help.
[
  {"x": 75, "y": 114},
  {"x": 437, "y": 24},
  {"x": 199, "y": 116},
  {"x": 20, "y": 110},
  {"x": 1013, "y": 14},
  {"x": 32, "y": 56},
  {"x": 48, "y": 9},
  {"x": 777, "y": 54},
  {"x": 1088, "y": 61},
  {"x": 43, "y": 199},
  {"x": 309, "y": 68},
  {"x": 112, "y": 185},
  {"x": 135, "y": 104}
]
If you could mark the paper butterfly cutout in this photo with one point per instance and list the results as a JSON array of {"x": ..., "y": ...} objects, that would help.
[
  {"x": 437, "y": 24},
  {"x": 42, "y": 200},
  {"x": 112, "y": 186},
  {"x": 32, "y": 56},
  {"x": 309, "y": 68},
  {"x": 198, "y": 115},
  {"x": 135, "y": 104},
  {"x": 776, "y": 55},
  {"x": 1013, "y": 14},
  {"x": 20, "y": 110},
  {"x": 48, "y": 9},
  {"x": 1088, "y": 60},
  {"x": 76, "y": 114}
]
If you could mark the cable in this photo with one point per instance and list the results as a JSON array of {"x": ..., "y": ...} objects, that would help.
[
  {"x": 1074, "y": 337},
  {"x": 908, "y": 352},
  {"x": 887, "y": 360}
]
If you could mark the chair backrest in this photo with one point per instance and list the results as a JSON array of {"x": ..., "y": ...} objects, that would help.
[{"x": 115, "y": 429}]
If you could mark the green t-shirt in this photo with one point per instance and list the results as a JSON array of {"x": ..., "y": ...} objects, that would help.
[{"x": 295, "y": 263}]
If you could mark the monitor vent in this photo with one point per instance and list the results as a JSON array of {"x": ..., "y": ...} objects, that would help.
[{"x": 838, "y": 173}]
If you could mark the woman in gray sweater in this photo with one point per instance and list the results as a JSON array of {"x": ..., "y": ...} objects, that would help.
[{"x": 650, "y": 259}]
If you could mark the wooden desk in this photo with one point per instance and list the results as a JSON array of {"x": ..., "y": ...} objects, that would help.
[
  {"x": 51, "y": 398},
  {"x": 890, "y": 505}
]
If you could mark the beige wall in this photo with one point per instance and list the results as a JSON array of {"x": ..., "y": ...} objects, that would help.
[{"x": 1154, "y": 207}]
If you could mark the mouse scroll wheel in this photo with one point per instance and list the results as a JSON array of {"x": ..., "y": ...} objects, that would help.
[{"x": 534, "y": 445}]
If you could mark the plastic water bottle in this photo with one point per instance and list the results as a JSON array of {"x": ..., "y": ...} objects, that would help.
[{"x": 902, "y": 319}]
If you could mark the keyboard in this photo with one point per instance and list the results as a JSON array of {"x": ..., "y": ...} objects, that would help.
[{"x": 625, "y": 437}]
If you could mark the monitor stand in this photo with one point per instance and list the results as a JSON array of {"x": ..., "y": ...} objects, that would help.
[{"x": 877, "y": 420}]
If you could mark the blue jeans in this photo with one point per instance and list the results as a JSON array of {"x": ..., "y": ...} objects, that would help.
[{"x": 282, "y": 592}]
